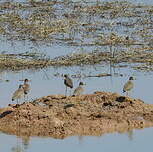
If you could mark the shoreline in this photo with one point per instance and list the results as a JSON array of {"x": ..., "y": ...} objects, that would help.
[{"x": 58, "y": 116}]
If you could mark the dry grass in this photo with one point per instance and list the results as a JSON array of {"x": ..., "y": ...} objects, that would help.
[
  {"x": 45, "y": 20},
  {"x": 125, "y": 28},
  {"x": 35, "y": 61}
]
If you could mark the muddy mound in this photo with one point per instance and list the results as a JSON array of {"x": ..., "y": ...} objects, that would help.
[{"x": 59, "y": 116}]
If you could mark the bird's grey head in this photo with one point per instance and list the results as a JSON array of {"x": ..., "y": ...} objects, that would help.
[
  {"x": 81, "y": 84},
  {"x": 131, "y": 78}
]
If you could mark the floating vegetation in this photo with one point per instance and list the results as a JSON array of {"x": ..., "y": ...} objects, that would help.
[
  {"x": 121, "y": 31},
  {"x": 82, "y": 58},
  {"x": 35, "y": 60},
  {"x": 21, "y": 61},
  {"x": 97, "y": 57},
  {"x": 76, "y": 20}
]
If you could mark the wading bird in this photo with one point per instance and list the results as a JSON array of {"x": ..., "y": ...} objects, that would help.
[
  {"x": 128, "y": 85},
  {"x": 68, "y": 83},
  {"x": 18, "y": 94},
  {"x": 26, "y": 88},
  {"x": 79, "y": 90}
]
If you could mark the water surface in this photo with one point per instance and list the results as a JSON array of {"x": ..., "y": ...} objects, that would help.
[
  {"x": 137, "y": 140},
  {"x": 43, "y": 82}
]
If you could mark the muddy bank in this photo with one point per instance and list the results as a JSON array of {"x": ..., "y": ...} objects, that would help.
[{"x": 57, "y": 116}]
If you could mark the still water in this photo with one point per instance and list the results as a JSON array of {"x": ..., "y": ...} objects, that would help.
[
  {"x": 133, "y": 141},
  {"x": 44, "y": 82}
]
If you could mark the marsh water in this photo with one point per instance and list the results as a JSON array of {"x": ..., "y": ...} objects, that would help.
[
  {"x": 130, "y": 141},
  {"x": 49, "y": 81}
]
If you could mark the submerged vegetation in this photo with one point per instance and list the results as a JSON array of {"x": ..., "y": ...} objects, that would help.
[
  {"x": 119, "y": 32},
  {"x": 34, "y": 61},
  {"x": 22, "y": 61}
]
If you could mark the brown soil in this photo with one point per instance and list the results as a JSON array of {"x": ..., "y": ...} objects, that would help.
[{"x": 59, "y": 116}]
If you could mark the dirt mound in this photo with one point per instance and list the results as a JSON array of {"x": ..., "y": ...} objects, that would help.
[{"x": 59, "y": 116}]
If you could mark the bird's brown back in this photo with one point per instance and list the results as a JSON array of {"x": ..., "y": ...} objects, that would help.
[
  {"x": 78, "y": 91},
  {"x": 68, "y": 82},
  {"x": 26, "y": 88},
  {"x": 19, "y": 93}
]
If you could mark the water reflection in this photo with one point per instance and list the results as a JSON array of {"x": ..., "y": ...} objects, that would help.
[
  {"x": 130, "y": 134},
  {"x": 22, "y": 144},
  {"x": 129, "y": 141},
  {"x": 17, "y": 149},
  {"x": 25, "y": 142}
]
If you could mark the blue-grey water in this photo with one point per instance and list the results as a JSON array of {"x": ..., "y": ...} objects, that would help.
[
  {"x": 43, "y": 82},
  {"x": 133, "y": 141}
]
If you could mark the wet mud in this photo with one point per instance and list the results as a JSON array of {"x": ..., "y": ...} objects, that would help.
[{"x": 58, "y": 116}]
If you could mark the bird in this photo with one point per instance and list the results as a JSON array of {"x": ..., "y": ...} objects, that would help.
[
  {"x": 26, "y": 88},
  {"x": 128, "y": 85},
  {"x": 79, "y": 90},
  {"x": 127, "y": 38},
  {"x": 68, "y": 83},
  {"x": 18, "y": 94}
]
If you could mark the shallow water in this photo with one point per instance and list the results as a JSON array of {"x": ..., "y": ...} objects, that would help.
[
  {"x": 137, "y": 140},
  {"x": 136, "y": 1},
  {"x": 43, "y": 82}
]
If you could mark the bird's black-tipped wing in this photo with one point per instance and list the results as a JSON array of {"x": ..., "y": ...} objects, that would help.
[
  {"x": 26, "y": 88},
  {"x": 68, "y": 82}
]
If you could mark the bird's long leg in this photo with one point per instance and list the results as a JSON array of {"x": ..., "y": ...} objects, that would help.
[
  {"x": 130, "y": 93},
  {"x": 20, "y": 101},
  {"x": 24, "y": 97},
  {"x": 70, "y": 92},
  {"x": 66, "y": 91},
  {"x": 27, "y": 97}
]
